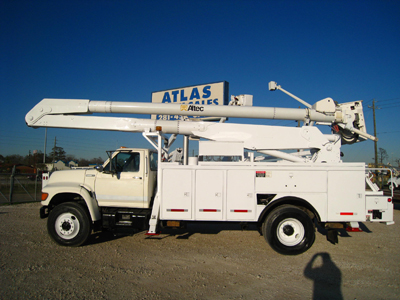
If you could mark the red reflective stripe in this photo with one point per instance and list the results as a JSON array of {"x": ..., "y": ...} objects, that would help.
[
  {"x": 240, "y": 210},
  {"x": 177, "y": 210},
  {"x": 209, "y": 210},
  {"x": 346, "y": 213}
]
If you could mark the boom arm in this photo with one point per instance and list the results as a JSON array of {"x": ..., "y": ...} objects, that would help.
[
  {"x": 347, "y": 118},
  {"x": 75, "y": 113},
  {"x": 70, "y": 106}
]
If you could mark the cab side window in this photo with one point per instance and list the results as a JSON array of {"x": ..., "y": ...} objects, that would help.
[
  {"x": 131, "y": 162},
  {"x": 125, "y": 162}
]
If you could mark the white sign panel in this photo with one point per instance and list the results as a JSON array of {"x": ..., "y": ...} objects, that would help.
[{"x": 206, "y": 94}]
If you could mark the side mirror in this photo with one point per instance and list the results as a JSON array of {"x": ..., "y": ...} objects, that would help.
[{"x": 99, "y": 168}]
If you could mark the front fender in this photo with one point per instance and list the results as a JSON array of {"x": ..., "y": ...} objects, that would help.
[
  {"x": 91, "y": 203},
  {"x": 58, "y": 192}
]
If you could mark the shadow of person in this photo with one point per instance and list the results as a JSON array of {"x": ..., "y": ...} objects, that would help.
[{"x": 326, "y": 275}]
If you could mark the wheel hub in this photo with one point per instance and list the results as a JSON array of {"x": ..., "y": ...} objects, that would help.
[
  {"x": 67, "y": 226},
  {"x": 290, "y": 232}
]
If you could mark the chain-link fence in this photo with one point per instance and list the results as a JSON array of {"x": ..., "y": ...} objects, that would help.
[{"x": 19, "y": 188}]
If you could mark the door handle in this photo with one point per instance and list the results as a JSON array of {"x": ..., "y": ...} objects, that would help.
[{"x": 137, "y": 177}]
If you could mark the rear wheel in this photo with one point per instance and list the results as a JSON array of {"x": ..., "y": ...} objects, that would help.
[
  {"x": 289, "y": 230},
  {"x": 69, "y": 224}
]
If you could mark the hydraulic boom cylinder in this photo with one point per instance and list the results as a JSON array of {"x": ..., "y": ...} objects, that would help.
[
  {"x": 209, "y": 111},
  {"x": 74, "y": 106}
]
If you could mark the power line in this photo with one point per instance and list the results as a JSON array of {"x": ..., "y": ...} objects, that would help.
[
  {"x": 392, "y": 99},
  {"x": 369, "y": 101},
  {"x": 379, "y": 101},
  {"x": 390, "y": 106},
  {"x": 388, "y": 132}
]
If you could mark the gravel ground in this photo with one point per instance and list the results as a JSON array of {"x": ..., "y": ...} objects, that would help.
[{"x": 202, "y": 262}]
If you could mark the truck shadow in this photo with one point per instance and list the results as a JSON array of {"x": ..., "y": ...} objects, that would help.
[
  {"x": 202, "y": 228},
  {"x": 103, "y": 237},
  {"x": 326, "y": 275}
]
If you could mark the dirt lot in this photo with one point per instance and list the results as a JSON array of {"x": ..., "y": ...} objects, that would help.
[{"x": 202, "y": 262}]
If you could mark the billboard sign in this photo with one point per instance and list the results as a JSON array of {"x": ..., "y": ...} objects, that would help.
[{"x": 205, "y": 94}]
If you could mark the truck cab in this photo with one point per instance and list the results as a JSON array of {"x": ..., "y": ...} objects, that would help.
[{"x": 117, "y": 194}]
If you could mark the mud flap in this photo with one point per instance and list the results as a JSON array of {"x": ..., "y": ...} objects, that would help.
[{"x": 332, "y": 236}]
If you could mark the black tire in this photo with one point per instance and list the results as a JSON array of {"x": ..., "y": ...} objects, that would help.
[
  {"x": 289, "y": 230},
  {"x": 69, "y": 224}
]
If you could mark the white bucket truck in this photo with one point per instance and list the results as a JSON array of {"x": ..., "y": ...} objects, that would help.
[{"x": 306, "y": 184}]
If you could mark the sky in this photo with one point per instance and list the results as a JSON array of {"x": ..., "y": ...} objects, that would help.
[{"x": 125, "y": 50}]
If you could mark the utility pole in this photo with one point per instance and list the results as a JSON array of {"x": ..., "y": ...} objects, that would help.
[
  {"x": 54, "y": 151},
  {"x": 375, "y": 142}
]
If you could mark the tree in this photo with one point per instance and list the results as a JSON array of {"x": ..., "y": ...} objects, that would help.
[
  {"x": 92, "y": 161},
  {"x": 14, "y": 159},
  {"x": 57, "y": 153},
  {"x": 382, "y": 155},
  {"x": 97, "y": 161},
  {"x": 397, "y": 160},
  {"x": 70, "y": 157}
]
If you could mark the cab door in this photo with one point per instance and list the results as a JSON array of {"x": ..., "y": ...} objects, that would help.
[{"x": 123, "y": 186}]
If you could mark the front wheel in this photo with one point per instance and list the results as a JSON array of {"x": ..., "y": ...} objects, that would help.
[
  {"x": 289, "y": 230},
  {"x": 69, "y": 224}
]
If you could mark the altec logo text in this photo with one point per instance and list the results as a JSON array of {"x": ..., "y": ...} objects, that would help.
[{"x": 185, "y": 107}]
